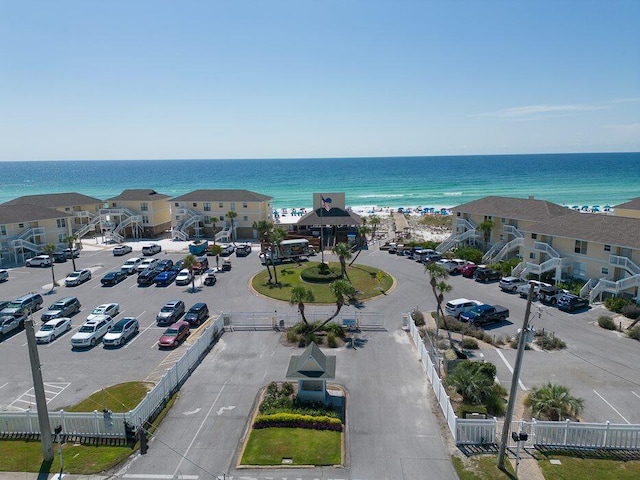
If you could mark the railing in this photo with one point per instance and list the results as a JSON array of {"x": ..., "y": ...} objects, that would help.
[
  {"x": 588, "y": 287},
  {"x": 509, "y": 246},
  {"x": 180, "y": 235},
  {"x": 625, "y": 263},
  {"x": 486, "y": 258},
  {"x": 128, "y": 221},
  {"x": 539, "y": 269},
  {"x": 453, "y": 239},
  {"x": 512, "y": 230},
  {"x": 546, "y": 248},
  {"x": 91, "y": 226},
  {"x": 613, "y": 287},
  {"x": 83, "y": 214},
  {"x": 518, "y": 270},
  {"x": 225, "y": 234},
  {"x": 113, "y": 236},
  {"x": 24, "y": 244}
]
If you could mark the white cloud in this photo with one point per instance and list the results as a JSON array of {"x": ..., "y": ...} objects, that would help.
[
  {"x": 625, "y": 127},
  {"x": 627, "y": 100},
  {"x": 538, "y": 110}
]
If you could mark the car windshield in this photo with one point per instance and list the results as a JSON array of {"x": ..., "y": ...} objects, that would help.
[
  {"x": 74, "y": 274},
  {"x": 55, "y": 307},
  {"x": 99, "y": 310},
  {"x": 167, "y": 309},
  {"x": 171, "y": 332},
  {"x": 46, "y": 328},
  {"x": 116, "y": 329},
  {"x": 13, "y": 305},
  {"x": 86, "y": 329}
]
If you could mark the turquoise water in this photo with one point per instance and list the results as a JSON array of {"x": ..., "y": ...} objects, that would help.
[{"x": 572, "y": 179}]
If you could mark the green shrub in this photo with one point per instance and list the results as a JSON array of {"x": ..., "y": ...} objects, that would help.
[
  {"x": 549, "y": 342},
  {"x": 466, "y": 408},
  {"x": 292, "y": 336},
  {"x": 418, "y": 318},
  {"x": 606, "y": 322},
  {"x": 631, "y": 311},
  {"x": 331, "y": 340},
  {"x": 471, "y": 254},
  {"x": 470, "y": 344},
  {"x": 335, "y": 328},
  {"x": 573, "y": 286},
  {"x": 495, "y": 401},
  {"x": 634, "y": 333},
  {"x": 295, "y": 420},
  {"x": 321, "y": 273},
  {"x": 616, "y": 304},
  {"x": 287, "y": 388}
]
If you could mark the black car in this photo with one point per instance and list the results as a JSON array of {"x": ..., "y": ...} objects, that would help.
[
  {"x": 569, "y": 302},
  {"x": 165, "y": 264},
  {"x": 177, "y": 266},
  {"x": 486, "y": 275},
  {"x": 113, "y": 278},
  {"x": 59, "y": 257},
  {"x": 148, "y": 276},
  {"x": 197, "y": 314},
  {"x": 210, "y": 278},
  {"x": 243, "y": 250}
]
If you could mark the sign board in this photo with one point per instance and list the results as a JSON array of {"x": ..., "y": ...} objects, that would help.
[{"x": 348, "y": 322}]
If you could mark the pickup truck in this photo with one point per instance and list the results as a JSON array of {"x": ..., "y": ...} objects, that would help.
[
  {"x": 523, "y": 290},
  {"x": 483, "y": 314}
]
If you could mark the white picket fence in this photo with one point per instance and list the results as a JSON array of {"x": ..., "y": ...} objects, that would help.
[{"x": 111, "y": 425}]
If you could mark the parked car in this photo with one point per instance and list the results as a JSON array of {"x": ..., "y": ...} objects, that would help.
[
  {"x": 483, "y": 314},
  {"x": 151, "y": 249},
  {"x": 113, "y": 278},
  {"x": 147, "y": 264},
  {"x": 59, "y": 257},
  {"x": 131, "y": 266},
  {"x": 165, "y": 278},
  {"x": 459, "y": 306},
  {"x": 166, "y": 264},
  {"x": 120, "y": 250},
  {"x": 71, "y": 252},
  {"x": 173, "y": 335},
  {"x": 28, "y": 303},
  {"x": 89, "y": 334},
  {"x": 569, "y": 302},
  {"x": 184, "y": 277},
  {"x": 226, "y": 265},
  {"x": 177, "y": 265},
  {"x": 52, "y": 329},
  {"x": 170, "y": 312},
  {"x": 243, "y": 250},
  {"x": 227, "y": 249},
  {"x": 39, "y": 261},
  {"x": 210, "y": 278},
  {"x": 65, "y": 307},
  {"x": 121, "y": 332},
  {"x": 10, "y": 323},
  {"x": 511, "y": 284},
  {"x": 201, "y": 264},
  {"x": 76, "y": 278},
  {"x": 4, "y": 275},
  {"x": 551, "y": 294},
  {"x": 468, "y": 271},
  {"x": 487, "y": 275},
  {"x": 523, "y": 290},
  {"x": 452, "y": 266},
  {"x": 147, "y": 277},
  {"x": 197, "y": 314},
  {"x": 110, "y": 309}
]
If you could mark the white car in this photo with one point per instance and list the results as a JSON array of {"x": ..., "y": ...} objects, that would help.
[
  {"x": 4, "y": 275},
  {"x": 459, "y": 306},
  {"x": 53, "y": 329},
  {"x": 39, "y": 261},
  {"x": 131, "y": 265},
  {"x": 121, "y": 331},
  {"x": 120, "y": 250},
  {"x": 110, "y": 309},
  {"x": 184, "y": 277},
  {"x": 77, "y": 277},
  {"x": 9, "y": 323},
  {"x": 147, "y": 264},
  {"x": 92, "y": 332},
  {"x": 523, "y": 290},
  {"x": 452, "y": 266}
]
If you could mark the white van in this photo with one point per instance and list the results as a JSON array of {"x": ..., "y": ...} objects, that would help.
[{"x": 460, "y": 305}]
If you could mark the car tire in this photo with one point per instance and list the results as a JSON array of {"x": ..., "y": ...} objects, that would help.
[
  {"x": 53, "y": 337},
  {"x": 93, "y": 342}
]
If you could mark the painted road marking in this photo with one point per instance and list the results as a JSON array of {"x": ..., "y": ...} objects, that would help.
[
  {"x": 522, "y": 387},
  {"x": 612, "y": 407},
  {"x": 52, "y": 390}
]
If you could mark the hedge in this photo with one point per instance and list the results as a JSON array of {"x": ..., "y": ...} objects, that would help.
[
  {"x": 293, "y": 420},
  {"x": 315, "y": 275}
]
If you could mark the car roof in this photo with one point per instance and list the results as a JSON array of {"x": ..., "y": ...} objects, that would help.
[
  {"x": 172, "y": 302},
  {"x": 198, "y": 305},
  {"x": 178, "y": 323},
  {"x": 124, "y": 320}
]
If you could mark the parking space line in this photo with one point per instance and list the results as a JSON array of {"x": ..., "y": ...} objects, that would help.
[
  {"x": 4, "y": 385},
  {"x": 52, "y": 390},
  {"x": 612, "y": 407},
  {"x": 631, "y": 392},
  {"x": 522, "y": 387}
]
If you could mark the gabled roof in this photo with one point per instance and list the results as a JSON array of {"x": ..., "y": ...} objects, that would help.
[
  {"x": 54, "y": 200},
  {"x": 335, "y": 216},
  {"x": 527, "y": 209},
  {"x": 142, "y": 194},
  {"x": 633, "y": 204},
  {"x": 592, "y": 227},
  {"x": 222, "y": 196},
  {"x": 22, "y": 213},
  {"x": 312, "y": 364}
]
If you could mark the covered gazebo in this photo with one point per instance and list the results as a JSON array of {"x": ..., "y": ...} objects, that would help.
[{"x": 312, "y": 369}]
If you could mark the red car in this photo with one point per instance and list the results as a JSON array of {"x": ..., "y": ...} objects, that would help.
[
  {"x": 173, "y": 335},
  {"x": 469, "y": 270}
]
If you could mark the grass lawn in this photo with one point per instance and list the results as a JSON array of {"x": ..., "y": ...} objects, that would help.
[
  {"x": 481, "y": 467},
  {"x": 363, "y": 278},
  {"x": 573, "y": 468},
  {"x": 26, "y": 456},
  {"x": 268, "y": 446}
]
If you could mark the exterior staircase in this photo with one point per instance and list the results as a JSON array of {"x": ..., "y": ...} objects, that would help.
[
  {"x": 619, "y": 286},
  {"x": 126, "y": 218},
  {"x": 89, "y": 227},
  {"x": 555, "y": 262},
  {"x": 188, "y": 218},
  {"x": 465, "y": 229},
  {"x": 498, "y": 251},
  {"x": 223, "y": 235}
]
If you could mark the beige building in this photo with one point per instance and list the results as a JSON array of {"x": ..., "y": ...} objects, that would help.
[
  {"x": 26, "y": 228},
  {"x": 205, "y": 214},
  {"x": 628, "y": 209},
  {"x": 553, "y": 241}
]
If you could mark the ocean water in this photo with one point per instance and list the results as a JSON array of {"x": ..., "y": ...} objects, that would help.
[{"x": 571, "y": 179}]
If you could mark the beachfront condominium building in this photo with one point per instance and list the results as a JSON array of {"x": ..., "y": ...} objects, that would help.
[
  {"x": 25, "y": 229},
  {"x": 206, "y": 214},
  {"x": 82, "y": 207},
  {"x": 135, "y": 213},
  {"x": 554, "y": 243}
]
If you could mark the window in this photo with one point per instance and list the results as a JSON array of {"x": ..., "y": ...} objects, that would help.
[
  {"x": 501, "y": 237},
  {"x": 233, "y": 206},
  {"x": 220, "y": 204},
  {"x": 207, "y": 219},
  {"x": 607, "y": 248},
  {"x": 532, "y": 255},
  {"x": 113, "y": 205},
  {"x": 3, "y": 229},
  {"x": 579, "y": 269},
  {"x": 145, "y": 219},
  {"x": 245, "y": 218},
  {"x": 222, "y": 218},
  {"x": 534, "y": 236},
  {"x": 245, "y": 204},
  {"x": 604, "y": 271},
  {"x": 457, "y": 214},
  {"x": 61, "y": 222},
  {"x": 21, "y": 225},
  {"x": 503, "y": 220},
  {"x": 176, "y": 204},
  {"x": 195, "y": 204},
  {"x": 144, "y": 207},
  {"x": 61, "y": 238},
  {"x": 581, "y": 247},
  {"x": 207, "y": 207},
  {"x": 67, "y": 209}
]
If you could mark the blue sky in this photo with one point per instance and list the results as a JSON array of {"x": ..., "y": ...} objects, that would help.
[{"x": 136, "y": 79}]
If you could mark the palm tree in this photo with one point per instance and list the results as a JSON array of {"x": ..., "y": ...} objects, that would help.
[
  {"x": 264, "y": 228},
  {"x": 189, "y": 261},
  {"x": 275, "y": 237},
  {"x": 299, "y": 295},
  {"x": 472, "y": 383},
  {"x": 362, "y": 239},
  {"x": 48, "y": 249},
  {"x": 217, "y": 251},
  {"x": 343, "y": 251},
  {"x": 437, "y": 277},
  {"x": 554, "y": 402},
  {"x": 231, "y": 215},
  {"x": 214, "y": 221},
  {"x": 342, "y": 290},
  {"x": 374, "y": 221},
  {"x": 486, "y": 228},
  {"x": 70, "y": 240}
]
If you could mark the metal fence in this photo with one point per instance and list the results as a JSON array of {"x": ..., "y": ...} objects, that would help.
[
  {"x": 111, "y": 425},
  {"x": 271, "y": 320}
]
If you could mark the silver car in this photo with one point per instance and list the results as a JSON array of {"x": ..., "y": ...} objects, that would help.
[
  {"x": 121, "y": 332},
  {"x": 77, "y": 277}
]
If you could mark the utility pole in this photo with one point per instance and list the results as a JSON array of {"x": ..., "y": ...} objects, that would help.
[
  {"x": 38, "y": 388},
  {"x": 514, "y": 382}
]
